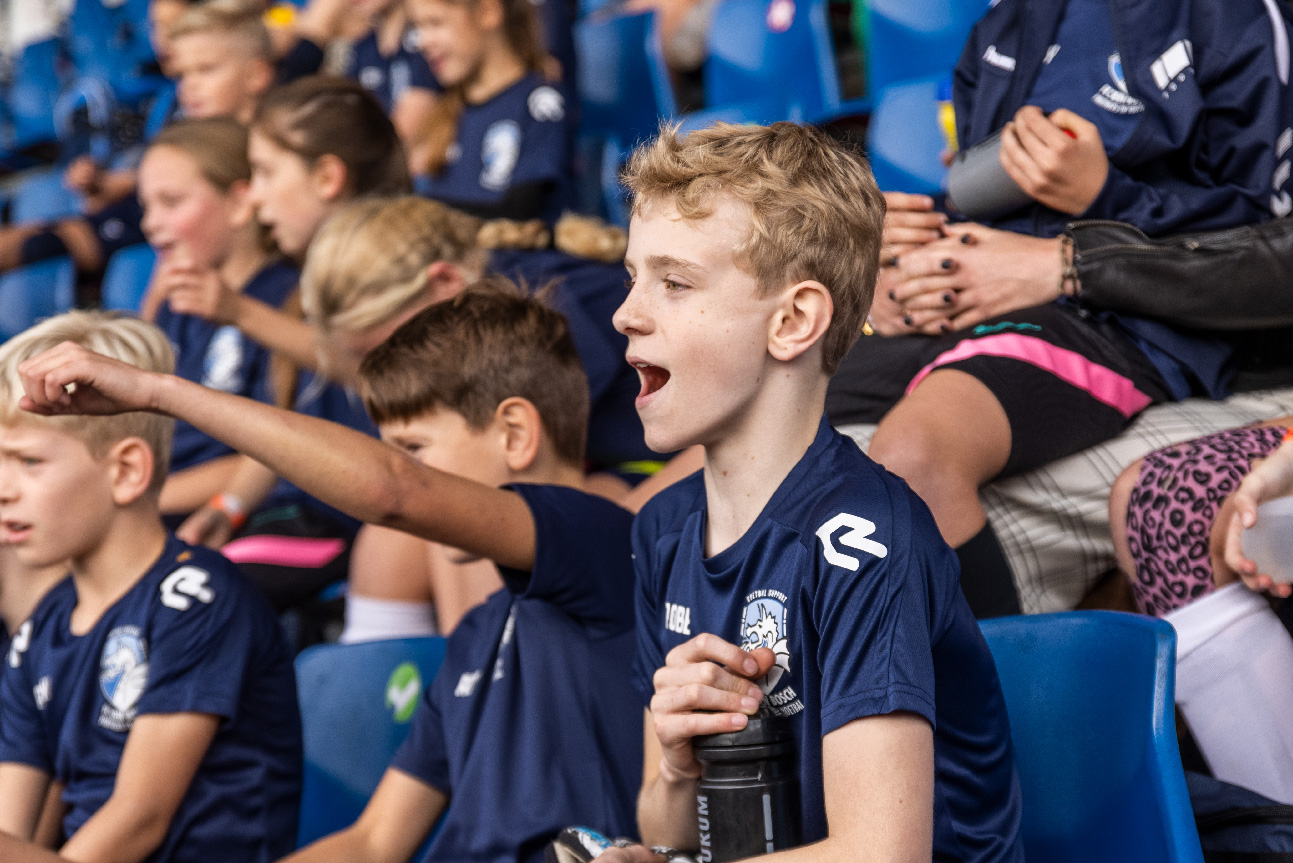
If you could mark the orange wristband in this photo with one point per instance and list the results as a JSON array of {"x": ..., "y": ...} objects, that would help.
[
  {"x": 1288, "y": 435},
  {"x": 232, "y": 507}
]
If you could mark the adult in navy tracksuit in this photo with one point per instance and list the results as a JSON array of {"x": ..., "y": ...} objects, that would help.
[{"x": 1172, "y": 115}]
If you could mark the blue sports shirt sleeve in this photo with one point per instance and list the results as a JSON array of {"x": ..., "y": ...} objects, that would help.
[
  {"x": 423, "y": 754},
  {"x": 875, "y": 651},
  {"x": 22, "y": 734},
  {"x": 582, "y": 562},
  {"x": 201, "y": 643}
]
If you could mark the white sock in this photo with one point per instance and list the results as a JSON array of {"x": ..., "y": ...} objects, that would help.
[
  {"x": 1234, "y": 684},
  {"x": 369, "y": 619}
]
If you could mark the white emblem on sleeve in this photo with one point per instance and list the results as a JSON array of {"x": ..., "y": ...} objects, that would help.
[
  {"x": 466, "y": 684},
  {"x": 17, "y": 647},
  {"x": 856, "y": 537},
  {"x": 184, "y": 585},
  {"x": 42, "y": 692},
  {"x": 546, "y": 105}
]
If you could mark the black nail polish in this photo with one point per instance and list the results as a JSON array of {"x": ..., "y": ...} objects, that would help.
[
  {"x": 946, "y": 264},
  {"x": 892, "y": 297},
  {"x": 891, "y": 262},
  {"x": 947, "y": 298},
  {"x": 907, "y": 320},
  {"x": 947, "y": 328},
  {"x": 966, "y": 239}
]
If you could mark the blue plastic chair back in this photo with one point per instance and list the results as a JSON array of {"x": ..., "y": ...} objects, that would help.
[
  {"x": 43, "y": 198},
  {"x": 33, "y": 93},
  {"x": 1090, "y": 698},
  {"x": 774, "y": 58},
  {"x": 109, "y": 42},
  {"x": 357, "y": 701},
  {"x": 125, "y": 280},
  {"x": 34, "y": 292},
  {"x": 624, "y": 88},
  {"x": 904, "y": 139},
  {"x": 916, "y": 38}
]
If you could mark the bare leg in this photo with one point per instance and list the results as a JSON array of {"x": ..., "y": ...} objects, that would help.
[
  {"x": 82, "y": 244},
  {"x": 11, "y": 240},
  {"x": 946, "y": 438},
  {"x": 458, "y": 583}
]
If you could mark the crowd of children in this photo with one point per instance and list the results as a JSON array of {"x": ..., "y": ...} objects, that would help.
[{"x": 622, "y": 500}]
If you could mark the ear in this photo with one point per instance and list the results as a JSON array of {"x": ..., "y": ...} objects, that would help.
[
  {"x": 522, "y": 429},
  {"x": 800, "y": 320},
  {"x": 329, "y": 176},
  {"x": 260, "y": 77},
  {"x": 131, "y": 463},
  {"x": 489, "y": 14},
  {"x": 241, "y": 211},
  {"x": 445, "y": 281}
]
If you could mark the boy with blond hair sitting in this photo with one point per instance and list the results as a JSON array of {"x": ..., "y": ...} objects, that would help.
[
  {"x": 153, "y": 684},
  {"x": 793, "y": 574}
]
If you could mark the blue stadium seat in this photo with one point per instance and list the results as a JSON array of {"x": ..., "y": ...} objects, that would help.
[
  {"x": 356, "y": 704},
  {"x": 773, "y": 61},
  {"x": 34, "y": 292},
  {"x": 34, "y": 89},
  {"x": 110, "y": 43},
  {"x": 904, "y": 140},
  {"x": 624, "y": 92},
  {"x": 1090, "y": 697},
  {"x": 126, "y": 278},
  {"x": 916, "y": 38},
  {"x": 43, "y": 198}
]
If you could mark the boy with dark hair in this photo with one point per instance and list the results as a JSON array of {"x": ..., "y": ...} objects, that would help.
[
  {"x": 154, "y": 685},
  {"x": 530, "y": 724},
  {"x": 753, "y": 254}
]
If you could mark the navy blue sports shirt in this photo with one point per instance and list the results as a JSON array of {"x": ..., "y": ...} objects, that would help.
[
  {"x": 388, "y": 77},
  {"x": 845, "y": 577},
  {"x": 221, "y": 357},
  {"x": 191, "y": 636},
  {"x": 532, "y": 723},
  {"x": 522, "y": 136}
]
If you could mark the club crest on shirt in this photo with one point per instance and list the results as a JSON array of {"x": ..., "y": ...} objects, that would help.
[
  {"x": 1114, "y": 97},
  {"x": 763, "y": 624},
  {"x": 499, "y": 150},
  {"x": 123, "y": 675},
  {"x": 371, "y": 77},
  {"x": 223, "y": 360}
]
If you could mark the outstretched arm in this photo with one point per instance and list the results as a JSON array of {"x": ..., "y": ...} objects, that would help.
[
  {"x": 1269, "y": 480},
  {"x": 358, "y": 475}
]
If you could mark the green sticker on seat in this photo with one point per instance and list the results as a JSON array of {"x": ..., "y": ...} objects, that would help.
[{"x": 402, "y": 690}]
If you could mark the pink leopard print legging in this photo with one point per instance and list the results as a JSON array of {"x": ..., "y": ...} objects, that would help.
[{"x": 1173, "y": 506}]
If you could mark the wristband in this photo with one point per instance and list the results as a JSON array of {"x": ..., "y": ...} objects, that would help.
[
  {"x": 1069, "y": 284},
  {"x": 1288, "y": 435},
  {"x": 232, "y": 507}
]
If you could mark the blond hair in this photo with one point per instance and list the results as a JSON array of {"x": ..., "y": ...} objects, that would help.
[
  {"x": 114, "y": 335},
  {"x": 815, "y": 211},
  {"x": 369, "y": 261},
  {"x": 238, "y": 19}
]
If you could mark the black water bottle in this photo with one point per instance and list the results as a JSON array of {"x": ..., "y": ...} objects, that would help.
[{"x": 747, "y": 799}]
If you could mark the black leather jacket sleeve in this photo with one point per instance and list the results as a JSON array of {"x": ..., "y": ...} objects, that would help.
[{"x": 1234, "y": 279}]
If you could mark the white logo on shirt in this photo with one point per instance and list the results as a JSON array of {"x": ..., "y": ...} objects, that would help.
[
  {"x": 993, "y": 57},
  {"x": 509, "y": 627},
  {"x": 123, "y": 675},
  {"x": 184, "y": 585},
  {"x": 499, "y": 150},
  {"x": 223, "y": 361},
  {"x": 546, "y": 105},
  {"x": 764, "y": 624},
  {"x": 1170, "y": 67},
  {"x": 371, "y": 77},
  {"x": 42, "y": 692},
  {"x": 859, "y": 529},
  {"x": 467, "y": 684},
  {"x": 677, "y": 618},
  {"x": 17, "y": 647}
]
